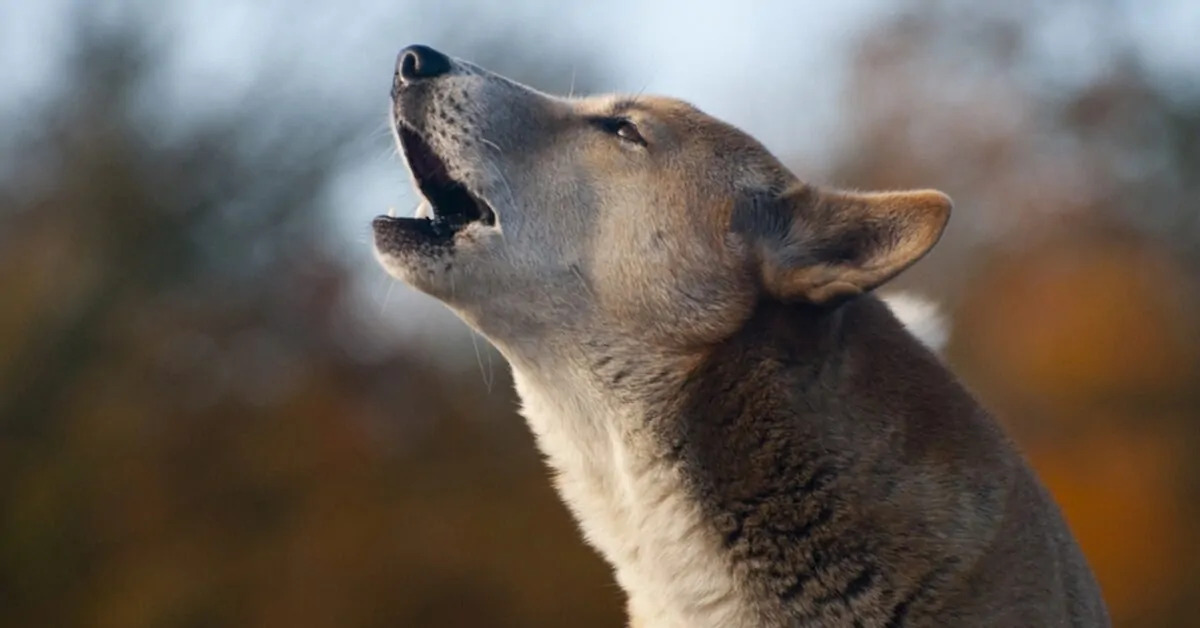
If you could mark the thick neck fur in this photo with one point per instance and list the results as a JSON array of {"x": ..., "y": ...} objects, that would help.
[{"x": 820, "y": 466}]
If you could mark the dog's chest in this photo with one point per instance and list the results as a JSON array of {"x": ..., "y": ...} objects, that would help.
[{"x": 634, "y": 507}]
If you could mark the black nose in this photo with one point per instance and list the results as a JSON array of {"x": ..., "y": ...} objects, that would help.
[{"x": 421, "y": 62}]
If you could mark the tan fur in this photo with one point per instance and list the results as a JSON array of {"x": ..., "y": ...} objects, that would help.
[{"x": 741, "y": 429}]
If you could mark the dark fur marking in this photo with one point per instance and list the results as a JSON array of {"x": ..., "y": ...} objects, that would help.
[
  {"x": 796, "y": 587},
  {"x": 853, "y": 589},
  {"x": 899, "y": 612}
]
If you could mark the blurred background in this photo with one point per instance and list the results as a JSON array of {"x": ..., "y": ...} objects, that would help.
[{"x": 215, "y": 410}]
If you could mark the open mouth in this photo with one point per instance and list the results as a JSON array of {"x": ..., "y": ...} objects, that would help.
[{"x": 454, "y": 206}]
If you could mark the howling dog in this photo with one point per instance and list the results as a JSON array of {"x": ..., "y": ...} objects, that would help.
[{"x": 739, "y": 425}]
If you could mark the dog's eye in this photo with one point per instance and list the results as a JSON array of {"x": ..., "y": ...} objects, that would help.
[{"x": 623, "y": 128}]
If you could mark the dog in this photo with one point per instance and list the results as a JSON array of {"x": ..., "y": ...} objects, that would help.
[{"x": 740, "y": 426}]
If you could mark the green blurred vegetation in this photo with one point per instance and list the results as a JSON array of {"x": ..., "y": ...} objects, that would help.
[{"x": 191, "y": 436}]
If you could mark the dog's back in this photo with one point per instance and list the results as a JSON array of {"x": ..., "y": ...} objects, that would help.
[{"x": 853, "y": 479}]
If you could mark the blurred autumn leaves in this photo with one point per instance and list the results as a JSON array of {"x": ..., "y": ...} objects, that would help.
[
  {"x": 1072, "y": 262},
  {"x": 187, "y": 437},
  {"x": 1086, "y": 346}
]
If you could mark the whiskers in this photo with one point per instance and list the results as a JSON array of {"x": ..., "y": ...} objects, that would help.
[
  {"x": 387, "y": 295},
  {"x": 495, "y": 170},
  {"x": 388, "y": 279},
  {"x": 582, "y": 280},
  {"x": 486, "y": 374},
  {"x": 637, "y": 97},
  {"x": 490, "y": 144},
  {"x": 380, "y": 130}
]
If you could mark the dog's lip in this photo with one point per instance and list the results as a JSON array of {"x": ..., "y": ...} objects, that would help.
[
  {"x": 397, "y": 231},
  {"x": 453, "y": 205}
]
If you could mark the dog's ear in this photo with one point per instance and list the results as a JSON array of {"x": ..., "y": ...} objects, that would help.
[{"x": 821, "y": 245}]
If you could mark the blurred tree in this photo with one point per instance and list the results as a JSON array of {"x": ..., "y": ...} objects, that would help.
[
  {"x": 188, "y": 438},
  {"x": 185, "y": 438},
  {"x": 1073, "y": 257}
]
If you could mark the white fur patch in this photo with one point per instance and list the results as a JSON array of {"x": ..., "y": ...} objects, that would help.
[
  {"x": 633, "y": 508},
  {"x": 921, "y": 317}
]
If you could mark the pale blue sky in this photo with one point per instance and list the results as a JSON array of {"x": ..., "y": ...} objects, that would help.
[
  {"x": 723, "y": 57},
  {"x": 773, "y": 67}
]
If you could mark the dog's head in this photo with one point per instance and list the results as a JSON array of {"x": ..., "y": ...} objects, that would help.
[{"x": 641, "y": 216}]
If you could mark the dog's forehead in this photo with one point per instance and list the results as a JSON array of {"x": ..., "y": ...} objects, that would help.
[
  {"x": 659, "y": 107},
  {"x": 715, "y": 136}
]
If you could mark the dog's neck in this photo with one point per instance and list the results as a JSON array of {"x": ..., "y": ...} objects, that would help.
[
  {"x": 615, "y": 473},
  {"x": 610, "y": 418}
]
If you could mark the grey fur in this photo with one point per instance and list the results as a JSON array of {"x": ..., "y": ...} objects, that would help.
[{"x": 742, "y": 429}]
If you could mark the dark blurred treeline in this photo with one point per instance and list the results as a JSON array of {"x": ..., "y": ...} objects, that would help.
[
  {"x": 191, "y": 436},
  {"x": 187, "y": 437}
]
